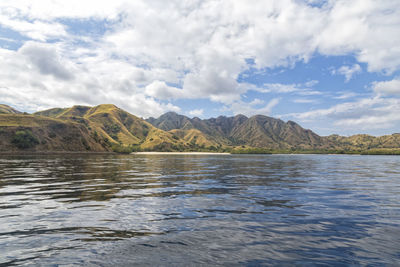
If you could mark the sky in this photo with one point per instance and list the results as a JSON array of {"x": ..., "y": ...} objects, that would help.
[{"x": 332, "y": 66}]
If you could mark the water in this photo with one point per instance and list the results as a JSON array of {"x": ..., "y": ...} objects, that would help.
[{"x": 120, "y": 210}]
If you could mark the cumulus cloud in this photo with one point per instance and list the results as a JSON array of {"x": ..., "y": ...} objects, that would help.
[
  {"x": 348, "y": 71},
  {"x": 367, "y": 28},
  {"x": 45, "y": 58},
  {"x": 363, "y": 114},
  {"x": 250, "y": 109},
  {"x": 387, "y": 87},
  {"x": 154, "y": 51},
  {"x": 161, "y": 90},
  {"x": 37, "y": 29},
  {"x": 196, "y": 112},
  {"x": 27, "y": 84}
]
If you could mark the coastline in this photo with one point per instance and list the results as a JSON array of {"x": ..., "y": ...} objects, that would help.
[
  {"x": 53, "y": 152},
  {"x": 179, "y": 153},
  {"x": 188, "y": 153}
]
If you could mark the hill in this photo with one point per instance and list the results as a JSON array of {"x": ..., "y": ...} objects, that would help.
[
  {"x": 257, "y": 131},
  {"x": 106, "y": 128},
  {"x": 120, "y": 128},
  {"x": 36, "y": 133},
  {"x": 5, "y": 109},
  {"x": 82, "y": 128},
  {"x": 367, "y": 144}
]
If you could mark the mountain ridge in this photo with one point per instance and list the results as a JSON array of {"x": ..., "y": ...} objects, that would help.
[
  {"x": 255, "y": 131},
  {"x": 106, "y": 128}
]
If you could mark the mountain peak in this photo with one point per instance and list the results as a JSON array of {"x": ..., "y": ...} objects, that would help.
[
  {"x": 101, "y": 127},
  {"x": 241, "y": 116},
  {"x": 169, "y": 121}
]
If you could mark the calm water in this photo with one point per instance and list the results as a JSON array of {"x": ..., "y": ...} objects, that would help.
[{"x": 179, "y": 209}]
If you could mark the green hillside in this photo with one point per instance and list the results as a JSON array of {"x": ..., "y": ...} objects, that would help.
[
  {"x": 5, "y": 109},
  {"x": 37, "y": 133},
  {"x": 257, "y": 131},
  {"x": 122, "y": 130},
  {"x": 106, "y": 128}
]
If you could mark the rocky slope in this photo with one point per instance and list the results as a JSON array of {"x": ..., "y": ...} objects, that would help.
[
  {"x": 257, "y": 131},
  {"x": 106, "y": 128},
  {"x": 118, "y": 127}
]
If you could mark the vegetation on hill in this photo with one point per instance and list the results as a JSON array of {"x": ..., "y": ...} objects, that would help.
[
  {"x": 122, "y": 131},
  {"x": 38, "y": 133},
  {"x": 24, "y": 139},
  {"x": 5, "y": 109},
  {"x": 257, "y": 132},
  {"x": 106, "y": 128}
]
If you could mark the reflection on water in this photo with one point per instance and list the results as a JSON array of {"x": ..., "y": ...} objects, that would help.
[{"x": 179, "y": 209}]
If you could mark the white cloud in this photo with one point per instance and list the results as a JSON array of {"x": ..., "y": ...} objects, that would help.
[
  {"x": 196, "y": 112},
  {"x": 45, "y": 58},
  {"x": 256, "y": 102},
  {"x": 304, "y": 101},
  {"x": 369, "y": 29},
  {"x": 300, "y": 89},
  {"x": 348, "y": 71},
  {"x": 362, "y": 115},
  {"x": 35, "y": 78},
  {"x": 345, "y": 95},
  {"x": 340, "y": 110},
  {"x": 160, "y": 90},
  {"x": 37, "y": 30},
  {"x": 199, "y": 47},
  {"x": 311, "y": 83},
  {"x": 53, "y": 9},
  {"x": 280, "y": 88},
  {"x": 250, "y": 109},
  {"x": 387, "y": 87}
]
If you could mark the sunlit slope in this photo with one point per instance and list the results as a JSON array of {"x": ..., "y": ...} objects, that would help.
[
  {"x": 266, "y": 132},
  {"x": 366, "y": 142},
  {"x": 5, "y": 109},
  {"x": 109, "y": 128},
  {"x": 257, "y": 131},
  {"x": 118, "y": 126},
  {"x": 194, "y": 137},
  {"x": 38, "y": 133}
]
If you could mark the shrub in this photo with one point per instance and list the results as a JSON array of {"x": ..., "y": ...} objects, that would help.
[
  {"x": 118, "y": 148},
  {"x": 114, "y": 128},
  {"x": 56, "y": 126},
  {"x": 24, "y": 139}
]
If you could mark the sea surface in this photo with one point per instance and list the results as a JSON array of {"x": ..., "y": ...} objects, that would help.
[{"x": 179, "y": 210}]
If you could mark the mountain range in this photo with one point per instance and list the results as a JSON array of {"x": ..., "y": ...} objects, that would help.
[{"x": 106, "y": 128}]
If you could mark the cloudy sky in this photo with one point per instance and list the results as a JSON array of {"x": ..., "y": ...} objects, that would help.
[{"x": 332, "y": 66}]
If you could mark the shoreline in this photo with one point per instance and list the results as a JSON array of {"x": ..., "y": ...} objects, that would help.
[
  {"x": 53, "y": 152},
  {"x": 179, "y": 153},
  {"x": 176, "y": 153}
]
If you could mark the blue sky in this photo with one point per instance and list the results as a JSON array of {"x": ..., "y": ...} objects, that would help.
[{"x": 332, "y": 66}]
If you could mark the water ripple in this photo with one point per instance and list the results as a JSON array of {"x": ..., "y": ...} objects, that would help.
[{"x": 107, "y": 210}]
